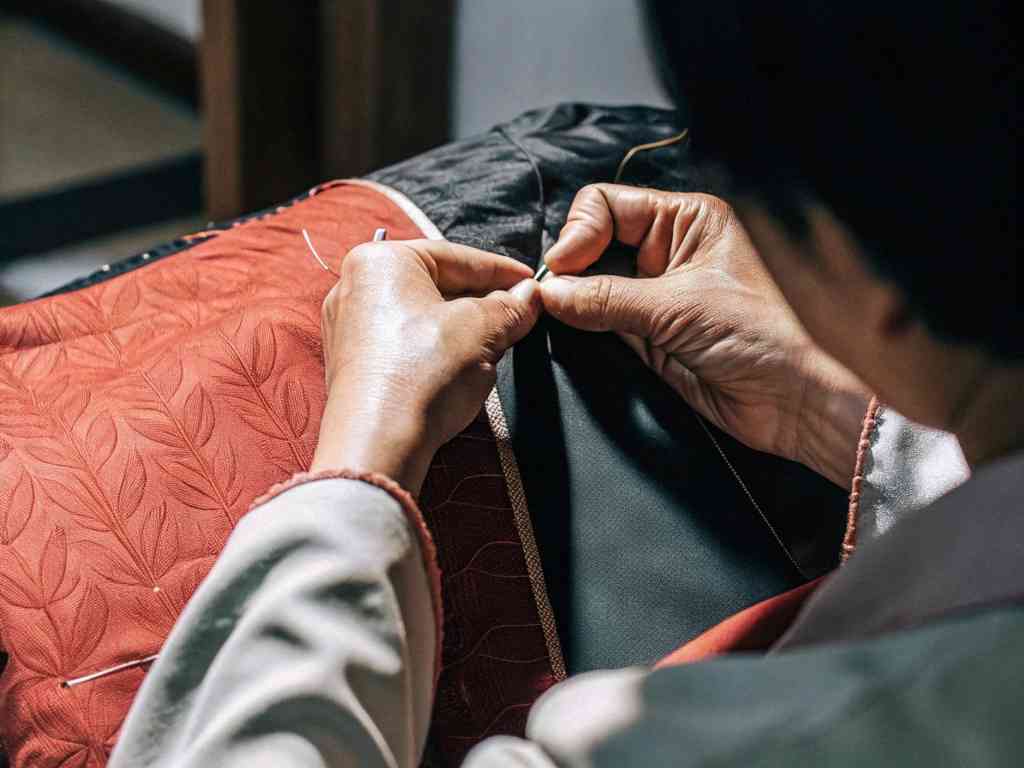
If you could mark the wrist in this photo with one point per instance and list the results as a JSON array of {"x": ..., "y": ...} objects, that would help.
[
  {"x": 831, "y": 420},
  {"x": 370, "y": 437}
]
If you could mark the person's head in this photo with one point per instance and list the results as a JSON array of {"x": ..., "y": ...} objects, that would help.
[{"x": 870, "y": 148}]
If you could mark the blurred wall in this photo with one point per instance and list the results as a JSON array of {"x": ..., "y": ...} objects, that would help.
[{"x": 513, "y": 56}]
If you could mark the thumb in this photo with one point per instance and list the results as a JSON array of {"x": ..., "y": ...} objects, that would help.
[
  {"x": 604, "y": 302},
  {"x": 509, "y": 315}
]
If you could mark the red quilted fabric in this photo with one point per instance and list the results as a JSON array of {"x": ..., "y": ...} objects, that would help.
[{"x": 140, "y": 417}]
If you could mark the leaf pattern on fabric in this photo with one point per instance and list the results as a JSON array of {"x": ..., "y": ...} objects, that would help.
[
  {"x": 140, "y": 417},
  {"x": 47, "y": 583},
  {"x": 101, "y": 439},
  {"x": 296, "y": 407},
  {"x": 262, "y": 352},
  {"x": 111, "y": 566},
  {"x": 199, "y": 418},
  {"x": 5, "y": 450},
  {"x": 248, "y": 365},
  {"x": 133, "y": 486},
  {"x": 17, "y": 505},
  {"x": 488, "y": 644}
]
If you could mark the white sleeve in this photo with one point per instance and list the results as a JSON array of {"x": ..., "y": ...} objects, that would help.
[
  {"x": 907, "y": 467},
  {"x": 313, "y": 642}
]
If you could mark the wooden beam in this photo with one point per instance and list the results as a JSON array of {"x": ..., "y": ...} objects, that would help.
[
  {"x": 385, "y": 81},
  {"x": 299, "y": 93},
  {"x": 259, "y": 74}
]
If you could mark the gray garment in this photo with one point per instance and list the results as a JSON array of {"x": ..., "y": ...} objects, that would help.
[
  {"x": 311, "y": 644},
  {"x": 943, "y": 695},
  {"x": 962, "y": 552}
]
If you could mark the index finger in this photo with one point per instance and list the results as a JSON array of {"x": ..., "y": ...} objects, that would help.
[
  {"x": 460, "y": 269},
  {"x": 634, "y": 216}
]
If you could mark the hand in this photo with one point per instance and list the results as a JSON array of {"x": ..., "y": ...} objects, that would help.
[
  {"x": 707, "y": 317},
  {"x": 412, "y": 332}
]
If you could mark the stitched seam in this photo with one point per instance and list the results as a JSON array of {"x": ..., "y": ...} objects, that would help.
[
  {"x": 853, "y": 511},
  {"x": 539, "y": 178}
]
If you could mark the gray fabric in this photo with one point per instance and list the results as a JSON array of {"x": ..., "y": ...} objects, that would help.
[
  {"x": 310, "y": 644},
  {"x": 945, "y": 695}
]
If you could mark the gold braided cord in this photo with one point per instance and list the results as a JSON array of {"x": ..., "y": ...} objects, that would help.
[{"x": 634, "y": 151}]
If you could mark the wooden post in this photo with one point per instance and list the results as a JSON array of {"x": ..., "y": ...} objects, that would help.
[
  {"x": 259, "y": 78},
  {"x": 298, "y": 93},
  {"x": 385, "y": 85}
]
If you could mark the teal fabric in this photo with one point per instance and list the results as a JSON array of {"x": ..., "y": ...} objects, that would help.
[{"x": 944, "y": 695}]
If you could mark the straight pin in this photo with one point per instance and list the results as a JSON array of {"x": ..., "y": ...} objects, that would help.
[{"x": 108, "y": 671}]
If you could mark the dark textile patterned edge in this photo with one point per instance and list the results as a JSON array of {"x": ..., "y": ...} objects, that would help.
[{"x": 164, "y": 250}]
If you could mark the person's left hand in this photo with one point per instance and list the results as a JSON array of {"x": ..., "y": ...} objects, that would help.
[{"x": 412, "y": 332}]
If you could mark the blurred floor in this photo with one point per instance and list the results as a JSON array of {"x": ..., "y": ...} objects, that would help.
[{"x": 66, "y": 118}]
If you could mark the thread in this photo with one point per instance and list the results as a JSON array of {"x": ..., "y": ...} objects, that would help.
[{"x": 316, "y": 255}]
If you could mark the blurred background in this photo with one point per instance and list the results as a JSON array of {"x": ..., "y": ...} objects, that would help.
[{"x": 125, "y": 123}]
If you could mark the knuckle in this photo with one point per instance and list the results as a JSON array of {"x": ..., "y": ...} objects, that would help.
[
  {"x": 590, "y": 202},
  {"x": 595, "y": 300},
  {"x": 713, "y": 205},
  {"x": 327, "y": 306},
  {"x": 590, "y": 191},
  {"x": 361, "y": 257},
  {"x": 666, "y": 322},
  {"x": 413, "y": 248},
  {"x": 511, "y": 314},
  {"x": 426, "y": 252}
]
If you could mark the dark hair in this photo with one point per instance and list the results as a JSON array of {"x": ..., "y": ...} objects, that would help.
[{"x": 900, "y": 117}]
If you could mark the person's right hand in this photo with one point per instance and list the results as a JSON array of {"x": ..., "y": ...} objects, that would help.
[{"x": 705, "y": 315}]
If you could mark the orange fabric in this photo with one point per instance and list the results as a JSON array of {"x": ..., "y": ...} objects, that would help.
[
  {"x": 753, "y": 629},
  {"x": 140, "y": 417}
]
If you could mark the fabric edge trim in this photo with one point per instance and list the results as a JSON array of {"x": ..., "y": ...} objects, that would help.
[
  {"x": 853, "y": 511},
  {"x": 408, "y": 207},
  {"x": 524, "y": 526},
  {"x": 506, "y": 456}
]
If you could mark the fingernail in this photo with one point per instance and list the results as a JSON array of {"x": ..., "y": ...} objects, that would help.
[{"x": 525, "y": 290}]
